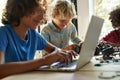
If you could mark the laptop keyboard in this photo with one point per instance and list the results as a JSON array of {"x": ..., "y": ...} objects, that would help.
[{"x": 60, "y": 65}]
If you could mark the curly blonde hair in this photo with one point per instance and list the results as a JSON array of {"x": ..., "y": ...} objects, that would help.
[{"x": 61, "y": 9}]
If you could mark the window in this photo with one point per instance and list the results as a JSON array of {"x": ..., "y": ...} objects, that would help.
[{"x": 102, "y": 8}]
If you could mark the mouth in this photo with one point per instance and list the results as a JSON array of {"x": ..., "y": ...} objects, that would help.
[
  {"x": 62, "y": 26},
  {"x": 36, "y": 22}
]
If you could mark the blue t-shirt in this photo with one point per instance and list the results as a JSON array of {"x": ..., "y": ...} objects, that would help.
[{"x": 17, "y": 49}]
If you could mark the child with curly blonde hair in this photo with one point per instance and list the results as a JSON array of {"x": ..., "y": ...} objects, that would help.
[{"x": 60, "y": 30}]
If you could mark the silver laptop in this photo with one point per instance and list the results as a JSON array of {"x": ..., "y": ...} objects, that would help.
[{"x": 87, "y": 49}]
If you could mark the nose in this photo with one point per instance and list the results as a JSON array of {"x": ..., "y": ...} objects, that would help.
[{"x": 65, "y": 22}]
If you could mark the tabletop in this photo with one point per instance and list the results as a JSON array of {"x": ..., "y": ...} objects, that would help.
[{"x": 109, "y": 71}]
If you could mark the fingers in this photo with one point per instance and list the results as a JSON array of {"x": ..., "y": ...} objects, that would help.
[
  {"x": 72, "y": 53},
  {"x": 67, "y": 56},
  {"x": 61, "y": 57}
]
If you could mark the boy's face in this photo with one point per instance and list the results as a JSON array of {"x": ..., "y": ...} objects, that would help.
[
  {"x": 114, "y": 23},
  {"x": 32, "y": 20},
  {"x": 61, "y": 23}
]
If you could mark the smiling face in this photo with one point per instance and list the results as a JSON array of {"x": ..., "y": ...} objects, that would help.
[
  {"x": 24, "y": 13},
  {"x": 32, "y": 20}
]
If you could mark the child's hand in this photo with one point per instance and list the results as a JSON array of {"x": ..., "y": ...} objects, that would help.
[
  {"x": 70, "y": 47},
  {"x": 65, "y": 56}
]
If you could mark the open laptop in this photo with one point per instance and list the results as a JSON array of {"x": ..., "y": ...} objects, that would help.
[{"x": 87, "y": 49}]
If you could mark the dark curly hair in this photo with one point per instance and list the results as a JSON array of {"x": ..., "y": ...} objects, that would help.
[
  {"x": 16, "y": 9},
  {"x": 115, "y": 18}
]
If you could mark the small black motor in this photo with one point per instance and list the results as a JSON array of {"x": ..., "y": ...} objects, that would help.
[{"x": 106, "y": 50}]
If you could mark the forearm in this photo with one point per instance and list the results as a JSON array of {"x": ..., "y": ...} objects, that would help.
[
  {"x": 111, "y": 43},
  {"x": 49, "y": 48},
  {"x": 115, "y": 44},
  {"x": 19, "y": 67}
]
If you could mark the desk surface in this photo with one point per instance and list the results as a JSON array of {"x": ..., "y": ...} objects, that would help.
[{"x": 88, "y": 72}]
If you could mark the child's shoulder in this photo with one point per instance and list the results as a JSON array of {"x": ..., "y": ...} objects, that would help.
[{"x": 46, "y": 27}]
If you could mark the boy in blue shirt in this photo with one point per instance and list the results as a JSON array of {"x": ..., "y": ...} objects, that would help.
[{"x": 19, "y": 40}]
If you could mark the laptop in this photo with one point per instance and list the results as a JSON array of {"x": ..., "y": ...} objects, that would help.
[{"x": 87, "y": 48}]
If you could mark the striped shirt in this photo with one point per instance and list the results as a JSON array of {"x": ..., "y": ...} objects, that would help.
[{"x": 60, "y": 38}]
